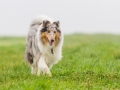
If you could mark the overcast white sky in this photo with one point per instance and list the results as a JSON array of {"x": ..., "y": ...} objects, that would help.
[{"x": 83, "y": 16}]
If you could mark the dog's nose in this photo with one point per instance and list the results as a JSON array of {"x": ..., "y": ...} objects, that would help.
[{"x": 52, "y": 40}]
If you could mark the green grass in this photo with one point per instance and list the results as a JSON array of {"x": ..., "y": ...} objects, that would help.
[{"x": 90, "y": 62}]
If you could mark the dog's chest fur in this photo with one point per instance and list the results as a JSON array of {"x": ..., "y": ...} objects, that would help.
[{"x": 49, "y": 57}]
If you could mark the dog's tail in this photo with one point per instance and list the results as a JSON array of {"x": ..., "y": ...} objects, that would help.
[{"x": 39, "y": 19}]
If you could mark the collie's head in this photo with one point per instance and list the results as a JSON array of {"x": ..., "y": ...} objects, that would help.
[{"x": 50, "y": 33}]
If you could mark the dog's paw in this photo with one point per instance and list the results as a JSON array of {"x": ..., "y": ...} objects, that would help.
[{"x": 50, "y": 75}]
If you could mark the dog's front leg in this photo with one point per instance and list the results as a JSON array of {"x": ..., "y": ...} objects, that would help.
[{"x": 42, "y": 66}]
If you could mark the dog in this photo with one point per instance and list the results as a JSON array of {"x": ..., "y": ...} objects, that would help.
[{"x": 43, "y": 44}]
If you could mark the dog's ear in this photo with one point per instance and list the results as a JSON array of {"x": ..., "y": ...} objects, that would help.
[
  {"x": 45, "y": 22},
  {"x": 57, "y": 26},
  {"x": 57, "y": 23}
]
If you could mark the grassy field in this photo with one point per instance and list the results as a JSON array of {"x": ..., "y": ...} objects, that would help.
[{"x": 90, "y": 62}]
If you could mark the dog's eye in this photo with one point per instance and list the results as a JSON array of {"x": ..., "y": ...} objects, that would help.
[
  {"x": 54, "y": 31},
  {"x": 48, "y": 31}
]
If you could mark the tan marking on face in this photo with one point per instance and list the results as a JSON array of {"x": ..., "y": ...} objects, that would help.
[{"x": 44, "y": 38}]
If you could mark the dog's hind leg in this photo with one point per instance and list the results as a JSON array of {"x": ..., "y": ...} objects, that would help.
[
  {"x": 33, "y": 70},
  {"x": 33, "y": 67}
]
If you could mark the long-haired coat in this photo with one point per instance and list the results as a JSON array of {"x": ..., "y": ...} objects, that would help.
[{"x": 44, "y": 44}]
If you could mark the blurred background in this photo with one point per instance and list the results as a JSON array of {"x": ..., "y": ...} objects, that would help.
[{"x": 75, "y": 16}]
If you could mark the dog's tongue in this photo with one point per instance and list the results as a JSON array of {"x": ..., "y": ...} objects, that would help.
[
  {"x": 51, "y": 47},
  {"x": 50, "y": 43}
]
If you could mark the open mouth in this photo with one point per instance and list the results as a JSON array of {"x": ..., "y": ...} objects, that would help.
[{"x": 50, "y": 43}]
